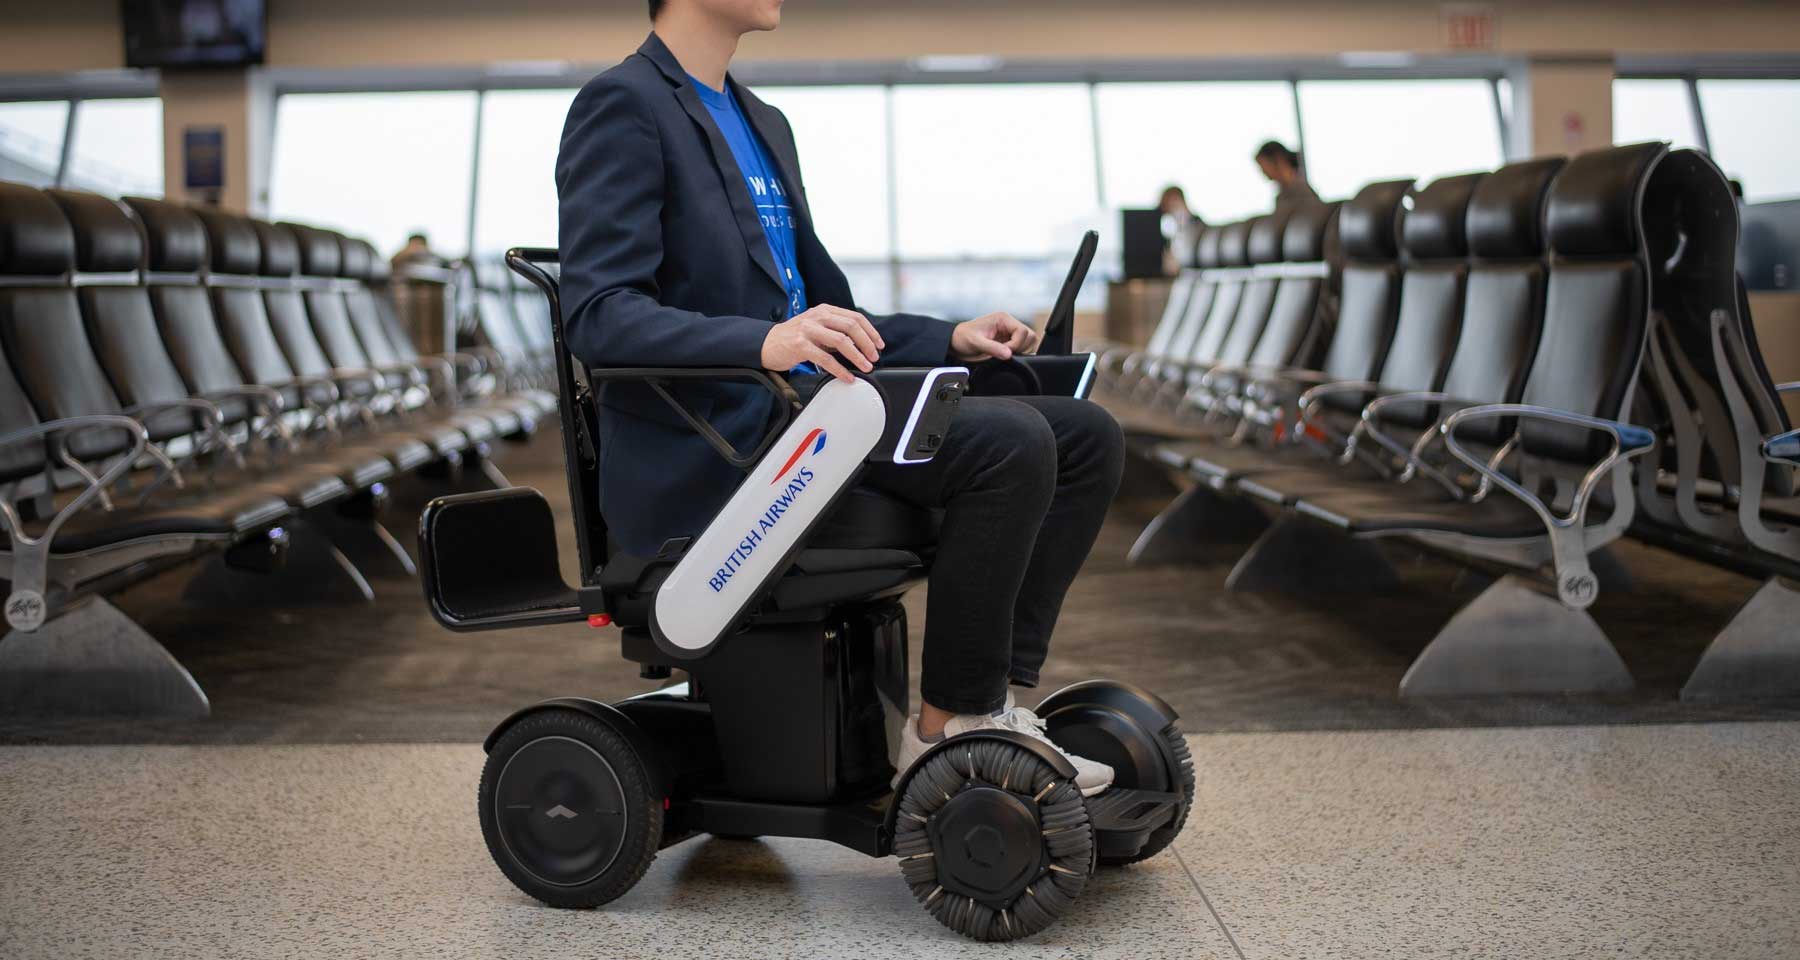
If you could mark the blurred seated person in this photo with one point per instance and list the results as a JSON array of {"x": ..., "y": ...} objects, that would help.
[
  {"x": 1284, "y": 169},
  {"x": 1181, "y": 229}
]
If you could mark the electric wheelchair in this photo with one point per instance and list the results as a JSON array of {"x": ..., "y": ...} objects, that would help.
[{"x": 784, "y": 615}]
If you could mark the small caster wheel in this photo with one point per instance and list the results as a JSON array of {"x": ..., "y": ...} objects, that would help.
[
  {"x": 992, "y": 842},
  {"x": 567, "y": 809}
]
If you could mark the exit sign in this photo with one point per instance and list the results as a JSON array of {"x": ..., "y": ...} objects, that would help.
[{"x": 1469, "y": 26}]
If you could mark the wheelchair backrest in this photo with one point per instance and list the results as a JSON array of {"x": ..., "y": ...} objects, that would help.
[{"x": 576, "y": 411}]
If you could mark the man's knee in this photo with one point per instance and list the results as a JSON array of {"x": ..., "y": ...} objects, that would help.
[
  {"x": 1015, "y": 443},
  {"x": 1086, "y": 430}
]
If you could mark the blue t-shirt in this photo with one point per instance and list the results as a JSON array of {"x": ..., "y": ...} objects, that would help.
[{"x": 763, "y": 179}]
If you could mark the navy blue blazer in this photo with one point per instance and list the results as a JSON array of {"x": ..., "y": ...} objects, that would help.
[{"x": 664, "y": 263}]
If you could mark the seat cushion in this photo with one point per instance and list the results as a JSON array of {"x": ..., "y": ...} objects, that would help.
[
  {"x": 1378, "y": 511},
  {"x": 225, "y": 514},
  {"x": 866, "y": 518},
  {"x": 303, "y": 488}
]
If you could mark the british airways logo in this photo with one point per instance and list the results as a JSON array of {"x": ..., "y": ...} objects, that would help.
[
  {"x": 798, "y": 477},
  {"x": 815, "y": 439}
]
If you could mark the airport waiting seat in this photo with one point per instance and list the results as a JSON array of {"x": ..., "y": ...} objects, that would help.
[
  {"x": 89, "y": 502},
  {"x": 368, "y": 395},
  {"x": 511, "y": 417},
  {"x": 122, "y": 326},
  {"x": 1724, "y": 488},
  {"x": 1478, "y": 355},
  {"x": 372, "y": 308},
  {"x": 1558, "y": 486},
  {"x": 253, "y": 263},
  {"x": 1357, "y": 344}
]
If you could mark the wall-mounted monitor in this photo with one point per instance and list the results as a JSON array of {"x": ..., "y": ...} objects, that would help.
[{"x": 194, "y": 33}]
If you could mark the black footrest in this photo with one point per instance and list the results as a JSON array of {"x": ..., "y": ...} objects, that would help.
[{"x": 1131, "y": 811}]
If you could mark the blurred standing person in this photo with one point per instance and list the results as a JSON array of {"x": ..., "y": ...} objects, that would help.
[
  {"x": 417, "y": 252},
  {"x": 1284, "y": 169},
  {"x": 1181, "y": 229}
]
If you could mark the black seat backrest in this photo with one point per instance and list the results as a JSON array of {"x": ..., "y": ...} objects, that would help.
[
  {"x": 246, "y": 306},
  {"x": 1264, "y": 250},
  {"x": 1228, "y": 289},
  {"x": 1181, "y": 290},
  {"x": 1503, "y": 310},
  {"x": 1434, "y": 239},
  {"x": 196, "y": 326},
  {"x": 1596, "y": 305},
  {"x": 1207, "y": 257},
  {"x": 355, "y": 264},
  {"x": 40, "y": 320},
  {"x": 1368, "y": 234},
  {"x": 1294, "y": 319},
  {"x": 36, "y": 245},
  {"x": 115, "y": 306},
  {"x": 282, "y": 297},
  {"x": 178, "y": 292},
  {"x": 321, "y": 260},
  {"x": 382, "y": 287},
  {"x": 1691, "y": 226}
]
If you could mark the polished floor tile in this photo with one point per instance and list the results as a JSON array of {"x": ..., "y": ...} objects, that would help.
[
  {"x": 1665, "y": 841},
  {"x": 374, "y": 851},
  {"x": 1648, "y": 841}
]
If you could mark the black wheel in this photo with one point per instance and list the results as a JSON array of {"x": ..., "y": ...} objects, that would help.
[
  {"x": 992, "y": 842},
  {"x": 1127, "y": 729},
  {"x": 567, "y": 809},
  {"x": 1164, "y": 835}
]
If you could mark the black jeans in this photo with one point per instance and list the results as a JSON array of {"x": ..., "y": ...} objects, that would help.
[{"x": 1024, "y": 483}]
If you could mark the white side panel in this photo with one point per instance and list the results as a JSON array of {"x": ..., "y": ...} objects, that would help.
[{"x": 816, "y": 457}]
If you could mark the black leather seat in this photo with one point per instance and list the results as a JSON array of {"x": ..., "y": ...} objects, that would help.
[
  {"x": 123, "y": 328},
  {"x": 51, "y": 373},
  {"x": 1585, "y": 362},
  {"x": 1434, "y": 240},
  {"x": 285, "y": 347},
  {"x": 1359, "y": 340},
  {"x": 509, "y": 416}
]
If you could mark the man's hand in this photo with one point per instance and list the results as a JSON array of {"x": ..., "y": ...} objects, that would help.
[
  {"x": 820, "y": 336},
  {"x": 997, "y": 336}
]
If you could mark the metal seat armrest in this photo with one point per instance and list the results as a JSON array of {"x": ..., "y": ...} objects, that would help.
[
  {"x": 1792, "y": 386},
  {"x": 1414, "y": 456},
  {"x": 1575, "y": 582},
  {"x": 265, "y": 401},
  {"x": 210, "y": 415},
  {"x": 1307, "y": 407},
  {"x": 26, "y": 605}
]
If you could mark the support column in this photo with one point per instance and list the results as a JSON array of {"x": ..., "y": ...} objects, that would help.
[
  {"x": 242, "y": 105},
  {"x": 1560, "y": 105}
]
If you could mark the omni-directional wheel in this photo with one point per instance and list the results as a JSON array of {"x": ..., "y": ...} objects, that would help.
[
  {"x": 567, "y": 809},
  {"x": 992, "y": 841}
]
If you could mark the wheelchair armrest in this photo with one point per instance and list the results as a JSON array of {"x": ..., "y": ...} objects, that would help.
[
  {"x": 656, "y": 377},
  {"x": 1050, "y": 375}
]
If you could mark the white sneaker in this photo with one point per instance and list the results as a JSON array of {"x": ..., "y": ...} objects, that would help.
[{"x": 1090, "y": 777}]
